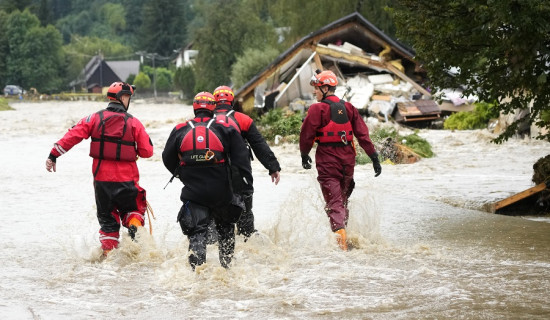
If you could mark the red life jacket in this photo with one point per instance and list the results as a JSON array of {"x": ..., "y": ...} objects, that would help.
[
  {"x": 112, "y": 137},
  {"x": 201, "y": 145},
  {"x": 227, "y": 117},
  {"x": 338, "y": 132}
]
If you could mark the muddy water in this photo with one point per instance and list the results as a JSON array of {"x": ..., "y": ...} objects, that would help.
[{"x": 421, "y": 246}]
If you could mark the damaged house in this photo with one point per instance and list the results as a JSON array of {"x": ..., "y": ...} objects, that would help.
[{"x": 377, "y": 74}]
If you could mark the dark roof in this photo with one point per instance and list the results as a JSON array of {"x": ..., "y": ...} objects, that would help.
[{"x": 104, "y": 72}]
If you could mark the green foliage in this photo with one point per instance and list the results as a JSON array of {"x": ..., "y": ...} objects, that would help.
[
  {"x": 163, "y": 28},
  {"x": 4, "y": 105},
  {"x": 250, "y": 63},
  {"x": 142, "y": 81},
  {"x": 418, "y": 145},
  {"x": 476, "y": 119},
  {"x": 382, "y": 134},
  {"x": 131, "y": 78},
  {"x": 276, "y": 122},
  {"x": 34, "y": 57},
  {"x": 81, "y": 49},
  {"x": 164, "y": 79},
  {"x": 184, "y": 80},
  {"x": 500, "y": 47},
  {"x": 304, "y": 16},
  {"x": 222, "y": 39}
]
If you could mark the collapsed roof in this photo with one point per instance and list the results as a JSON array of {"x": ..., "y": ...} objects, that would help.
[{"x": 349, "y": 46}]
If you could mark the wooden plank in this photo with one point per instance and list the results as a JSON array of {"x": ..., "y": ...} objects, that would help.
[
  {"x": 409, "y": 119},
  {"x": 364, "y": 60},
  {"x": 518, "y": 196}
]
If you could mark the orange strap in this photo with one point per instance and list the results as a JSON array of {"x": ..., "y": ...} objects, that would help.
[{"x": 149, "y": 214}]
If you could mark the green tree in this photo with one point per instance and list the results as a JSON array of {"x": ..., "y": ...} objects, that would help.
[
  {"x": 224, "y": 37},
  {"x": 44, "y": 12},
  {"x": 142, "y": 81},
  {"x": 164, "y": 79},
  {"x": 4, "y": 46},
  {"x": 499, "y": 49},
  {"x": 35, "y": 58},
  {"x": 43, "y": 68},
  {"x": 14, "y": 5},
  {"x": 250, "y": 63},
  {"x": 184, "y": 80},
  {"x": 113, "y": 16},
  {"x": 304, "y": 16},
  {"x": 163, "y": 29},
  {"x": 81, "y": 49}
]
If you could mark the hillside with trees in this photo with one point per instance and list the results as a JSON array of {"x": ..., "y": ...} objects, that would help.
[{"x": 44, "y": 44}]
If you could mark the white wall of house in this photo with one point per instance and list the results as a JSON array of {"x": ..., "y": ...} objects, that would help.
[{"x": 186, "y": 57}]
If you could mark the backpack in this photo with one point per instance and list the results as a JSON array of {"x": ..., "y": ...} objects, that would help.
[
  {"x": 201, "y": 145},
  {"x": 112, "y": 137}
]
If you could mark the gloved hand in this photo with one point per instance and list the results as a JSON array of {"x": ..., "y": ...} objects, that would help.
[
  {"x": 306, "y": 161},
  {"x": 376, "y": 164}
]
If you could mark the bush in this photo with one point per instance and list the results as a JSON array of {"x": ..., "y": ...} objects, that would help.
[
  {"x": 250, "y": 63},
  {"x": 184, "y": 80},
  {"x": 388, "y": 139},
  {"x": 142, "y": 81},
  {"x": 276, "y": 122},
  {"x": 418, "y": 145},
  {"x": 469, "y": 120},
  {"x": 4, "y": 105}
]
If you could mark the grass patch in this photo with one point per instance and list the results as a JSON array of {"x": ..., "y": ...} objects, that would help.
[
  {"x": 4, "y": 105},
  {"x": 287, "y": 125},
  {"x": 470, "y": 120},
  {"x": 277, "y": 122}
]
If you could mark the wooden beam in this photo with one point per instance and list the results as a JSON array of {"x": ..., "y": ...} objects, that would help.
[
  {"x": 366, "y": 61},
  {"x": 272, "y": 69},
  {"x": 403, "y": 76},
  {"x": 518, "y": 196}
]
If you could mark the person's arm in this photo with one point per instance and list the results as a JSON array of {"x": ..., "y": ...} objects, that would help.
[
  {"x": 238, "y": 156},
  {"x": 361, "y": 132},
  {"x": 261, "y": 149},
  {"x": 143, "y": 141},
  {"x": 309, "y": 128},
  {"x": 170, "y": 154},
  {"x": 82, "y": 130}
]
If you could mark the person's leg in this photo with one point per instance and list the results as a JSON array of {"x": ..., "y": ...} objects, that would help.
[
  {"x": 226, "y": 242},
  {"x": 335, "y": 188},
  {"x": 107, "y": 216},
  {"x": 245, "y": 225},
  {"x": 131, "y": 202},
  {"x": 330, "y": 177},
  {"x": 194, "y": 220},
  {"x": 225, "y": 218},
  {"x": 347, "y": 185}
]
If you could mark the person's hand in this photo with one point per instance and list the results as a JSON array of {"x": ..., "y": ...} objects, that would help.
[
  {"x": 50, "y": 165},
  {"x": 275, "y": 177},
  {"x": 376, "y": 164},
  {"x": 306, "y": 161},
  {"x": 377, "y": 168}
]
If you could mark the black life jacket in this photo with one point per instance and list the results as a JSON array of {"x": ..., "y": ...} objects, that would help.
[
  {"x": 338, "y": 132},
  {"x": 201, "y": 145},
  {"x": 112, "y": 137},
  {"x": 227, "y": 117}
]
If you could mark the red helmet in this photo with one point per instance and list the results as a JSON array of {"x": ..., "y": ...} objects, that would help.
[
  {"x": 223, "y": 93},
  {"x": 204, "y": 100},
  {"x": 117, "y": 89},
  {"x": 324, "y": 78}
]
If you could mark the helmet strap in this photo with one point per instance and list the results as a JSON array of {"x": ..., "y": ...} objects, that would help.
[{"x": 324, "y": 93}]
